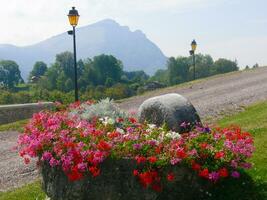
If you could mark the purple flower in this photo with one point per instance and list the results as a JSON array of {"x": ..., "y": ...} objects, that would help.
[
  {"x": 235, "y": 174},
  {"x": 152, "y": 142},
  {"x": 214, "y": 176},
  {"x": 137, "y": 146},
  {"x": 246, "y": 165}
]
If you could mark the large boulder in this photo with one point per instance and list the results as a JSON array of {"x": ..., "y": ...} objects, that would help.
[{"x": 172, "y": 109}]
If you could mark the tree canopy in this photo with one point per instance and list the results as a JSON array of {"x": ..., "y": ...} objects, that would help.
[
  {"x": 9, "y": 74},
  {"x": 181, "y": 69},
  {"x": 38, "y": 70}
]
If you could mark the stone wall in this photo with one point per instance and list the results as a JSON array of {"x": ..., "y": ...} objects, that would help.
[
  {"x": 116, "y": 182},
  {"x": 12, "y": 113}
]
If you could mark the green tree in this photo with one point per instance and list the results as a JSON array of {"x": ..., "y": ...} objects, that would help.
[
  {"x": 60, "y": 76},
  {"x": 161, "y": 76},
  {"x": 106, "y": 67},
  {"x": 9, "y": 74},
  {"x": 204, "y": 65},
  {"x": 177, "y": 70},
  {"x": 38, "y": 70},
  {"x": 136, "y": 76},
  {"x": 223, "y": 66}
]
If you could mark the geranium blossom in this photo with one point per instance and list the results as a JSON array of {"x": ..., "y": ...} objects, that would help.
[{"x": 79, "y": 147}]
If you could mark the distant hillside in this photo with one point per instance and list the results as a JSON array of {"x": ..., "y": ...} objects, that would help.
[{"x": 134, "y": 49}]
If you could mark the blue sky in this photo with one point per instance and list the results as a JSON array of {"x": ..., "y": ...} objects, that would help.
[{"x": 234, "y": 29}]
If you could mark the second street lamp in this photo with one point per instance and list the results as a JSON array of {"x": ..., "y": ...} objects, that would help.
[
  {"x": 73, "y": 19},
  {"x": 192, "y": 52}
]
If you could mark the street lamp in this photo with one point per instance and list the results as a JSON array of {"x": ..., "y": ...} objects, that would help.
[
  {"x": 192, "y": 52},
  {"x": 73, "y": 19}
]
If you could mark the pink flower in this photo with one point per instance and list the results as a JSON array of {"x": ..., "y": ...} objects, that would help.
[
  {"x": 46, "y": 156},
  {"x": 137, "y": 146},
  {"x": 174, "y": 161},
  {"x": 246, "y": 165},
  {"x": 53, "y": 162},
  {"x": 82, "y": 167},
  {"x": 235, "y": 174}
]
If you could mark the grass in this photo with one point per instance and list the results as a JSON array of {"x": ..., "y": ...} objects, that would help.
[
  {"x": 31, "y": 191},
  {"x": 15, "y": 126},
  {"x": 252, "y": 185}
]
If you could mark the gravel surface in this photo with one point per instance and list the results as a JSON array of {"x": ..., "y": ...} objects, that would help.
[
  {"x": 212, "y": 98},
  {"x": 218, "y": 95},
  {"x": 13, "y": 171}
]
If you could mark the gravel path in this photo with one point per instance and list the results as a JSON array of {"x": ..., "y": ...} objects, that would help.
[
  {"x": 217, "y": 95},
  {"x": 212, "y": 98},
  {"x": 13, "y": 171}
]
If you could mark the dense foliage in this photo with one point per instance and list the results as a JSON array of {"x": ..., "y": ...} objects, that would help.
[
  {"x": 79, "y": 146},
  {"x": 9, "y": 74},
  {"x": 99, "y": 77},
  {"x": 180, "y": 69},
  {"x": 39, "y": 69}
]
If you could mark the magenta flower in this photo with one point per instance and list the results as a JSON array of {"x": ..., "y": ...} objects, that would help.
[
  {"x": 214, "y": 176},
  {"x": 235, "y": 174}
]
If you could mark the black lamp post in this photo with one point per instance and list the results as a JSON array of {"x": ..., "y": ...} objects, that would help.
[
  {"x": 73, "y": 19},
  {"x": 192, "y": 52}
]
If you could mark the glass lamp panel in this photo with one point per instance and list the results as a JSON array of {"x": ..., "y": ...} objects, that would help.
[
  {"x": 73, "y": 19},
  {"x": 194, "y": 46}
]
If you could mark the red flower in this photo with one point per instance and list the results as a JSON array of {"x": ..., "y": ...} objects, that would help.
[
  {"x": 219, "y": 155},
  {"x": 103, "y": 146},
  {"x": 113, "y": 134},
  {"x": 146, "y": 179},
  {"x": 181, "y": 153},
  {"x": 97, "y": 133},
  {"x": 140, "y": 159},
  {"x": 77, "y": 158},
  {"x": 26, "y": 160},
  {"x": 223, "y": 172},
  {"x": 157, "y": 187},
  {"x": 204, "y": 173},
  {"x": 74, "y": 174},
  {"x": 132, "y": 120},
  {"x": 170, "y": 177},
  {"x": 158, "y": 149},
  {"x": 70, "y": 145},
  {"x": 135, "y": 172},
  {"x": 152, "y": 159},
  {"x": 203, "y": 145},
  {"x": 196, "y": 166},
  {"x": 94, "y": 170},
  {"x": 119, "y": 120}
]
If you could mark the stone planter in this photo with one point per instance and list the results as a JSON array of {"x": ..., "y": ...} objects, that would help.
[{"x": 116, "y": 182}]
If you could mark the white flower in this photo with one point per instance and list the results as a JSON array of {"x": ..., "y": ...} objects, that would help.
[
  {"x": 119, "y": 130},
  {"x": 152, "y": 126},
  {"x": 173, "y": 135},
  {"x": 107, "y": 120}
]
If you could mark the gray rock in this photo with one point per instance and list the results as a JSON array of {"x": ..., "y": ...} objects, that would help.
[{"x": 172, "y": 109}]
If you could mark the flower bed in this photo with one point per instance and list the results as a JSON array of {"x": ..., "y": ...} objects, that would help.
[{"x": 74, "y": 150}]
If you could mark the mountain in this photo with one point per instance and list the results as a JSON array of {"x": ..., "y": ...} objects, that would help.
[{"x": 133, "y": 48}]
